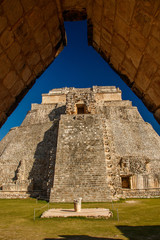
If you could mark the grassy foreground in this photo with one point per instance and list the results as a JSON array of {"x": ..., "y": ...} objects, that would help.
[{"x": 138, "y": 219}]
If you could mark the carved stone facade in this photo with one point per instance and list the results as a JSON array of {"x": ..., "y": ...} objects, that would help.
[
  {"x": 85, "y": 143},
  {"x": 126, "y": 33}
]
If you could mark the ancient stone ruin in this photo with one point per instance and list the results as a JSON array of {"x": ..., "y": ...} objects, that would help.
[
  {"x": 126, "y": 33},
  {"x": 81, "y": 143}
]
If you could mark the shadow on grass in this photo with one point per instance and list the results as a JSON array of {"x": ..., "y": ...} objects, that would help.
[
  {"x": 79, "y": 237},
  {"x": 140, "y": 232},
  {"x": 130, "y": 232}
]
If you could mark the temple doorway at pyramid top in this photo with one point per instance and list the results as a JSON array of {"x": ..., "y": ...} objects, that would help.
[{"x": 125, "y": 33}]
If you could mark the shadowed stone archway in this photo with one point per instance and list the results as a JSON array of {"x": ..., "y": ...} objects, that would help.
[{"x": 125, "y": 33}]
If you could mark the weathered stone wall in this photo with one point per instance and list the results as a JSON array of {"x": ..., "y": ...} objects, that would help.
[
  {"x": 85, "y": 98},
  {"x": 90, "y": 97},
  {"x": 124, "y": 33},
  {"x": 80, "y": 169},
  {"x": 31, "y": 35},
  {"x": 129, "y": 154},
  {"x": 28, "y": 152}
]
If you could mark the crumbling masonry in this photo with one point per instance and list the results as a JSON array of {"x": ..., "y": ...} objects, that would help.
[{"x": 85, "y": 143}]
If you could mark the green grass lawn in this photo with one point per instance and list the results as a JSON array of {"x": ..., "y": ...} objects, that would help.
[{"x": 138, "y": 219}]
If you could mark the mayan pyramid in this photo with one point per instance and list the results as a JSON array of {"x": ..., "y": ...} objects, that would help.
[{"x": 84, "y": 142}]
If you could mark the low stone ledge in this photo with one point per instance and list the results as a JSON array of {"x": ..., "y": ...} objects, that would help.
[
  {"x": 87, "y": 212},
  {"x": 140, "y": 193}
]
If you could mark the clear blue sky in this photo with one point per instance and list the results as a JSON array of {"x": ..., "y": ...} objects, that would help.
[{"x": 78, "y": 65}]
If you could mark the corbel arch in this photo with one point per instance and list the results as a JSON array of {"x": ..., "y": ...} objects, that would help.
[{"x": 124, "y": 33}]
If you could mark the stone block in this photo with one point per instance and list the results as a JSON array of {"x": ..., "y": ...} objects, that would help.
[
  {"x": 31, "y": 81},
  {"x": 134, "y": 55},
  {"x": 28, "y": 46},
  {"x": 49, "y": 10},
  {"x": 149, "y": 7},
  {"x": 114, "y": 63},
  {"x": 33, "y": 59},
  {"x": 153, "y": 49},
  {"x": 13, "y": 51},
  {"x": 46, "y": 52},
  {"x": 73, "y": 4},
  {"x": 26, "y": 73},
  {"x": 156, "y": 30},
  {"x": 154, "y": 90},
  {"x": 137, "y": 90},
  {"x": 6, "y": 103},
  {"x": 127, "y": 68},
  {"x": 157, "y": 115},
  {"x": 119, "y": 42},
  {"x": 19, "y": 63},
  {"x": 122, "y": 28},
  {"x": 10, "y": 79},
  {"x": 5, "y": 66},
  {"x": 35, "y": 19},
  {"x": 96, "y": 35},
  {"x": 1, "y": 50},
  {"x": 38, "y": 69},
  {"x": 41, "y": 37},
  {"x": 3, "y": 23},
  {"x": 142, "y": 81},
  {"x": 147, "y": 100},
  {"x": 42, "y": 3},
  {"x": 109, "y": 9},
  {"x": 53, "y": 25},
  {"x": 106, "y": 48},
  {"x": 147, "y": 66},
  {"x": 137, "y": 39},
  {"x": 106, "y": 35},
  {"x": 49, "y": 60},
  {"x": 17, "y": 88},
  {"x": 3, "y": 92},
  {"x": 89, "y": 9},
  {"x": 58, "y": 37},
  {"x": 100, "y": 2},
  {"x": 22, "y": 31},
  {"x": 7, "y": 38},
  {"x": 3, "y": 117},
  {"x": 125, "y": 9},
  {"x": 142, "y": 22},
  {"x": 108, "y": 24},
  {"x": 97, "y": 12},
  {"x": 117, "y": 54},
  {"x": 13, "y": 10},
  {"x": 28, "y": 4}
]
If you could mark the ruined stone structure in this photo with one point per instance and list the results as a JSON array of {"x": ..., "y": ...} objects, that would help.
[
  {"x": 85, "y": 143},
  {"x": 126, "y": 33}
]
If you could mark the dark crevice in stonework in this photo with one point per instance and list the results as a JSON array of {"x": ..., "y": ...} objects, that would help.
[
  {"x": 16, "y": 172},
  {"x": 90, "y": 31},
  {"x": 75, "y": 15}
]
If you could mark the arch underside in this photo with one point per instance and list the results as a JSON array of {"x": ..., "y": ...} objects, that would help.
[{"x": 125, "y": 33}]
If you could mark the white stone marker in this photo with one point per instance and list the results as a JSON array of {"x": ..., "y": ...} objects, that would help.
[{"x": 77, "y": 205}]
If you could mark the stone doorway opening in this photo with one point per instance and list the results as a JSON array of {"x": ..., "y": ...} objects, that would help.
[
  {"x": 126, "y": 182},
  {"x": 81, "y": 108}
]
